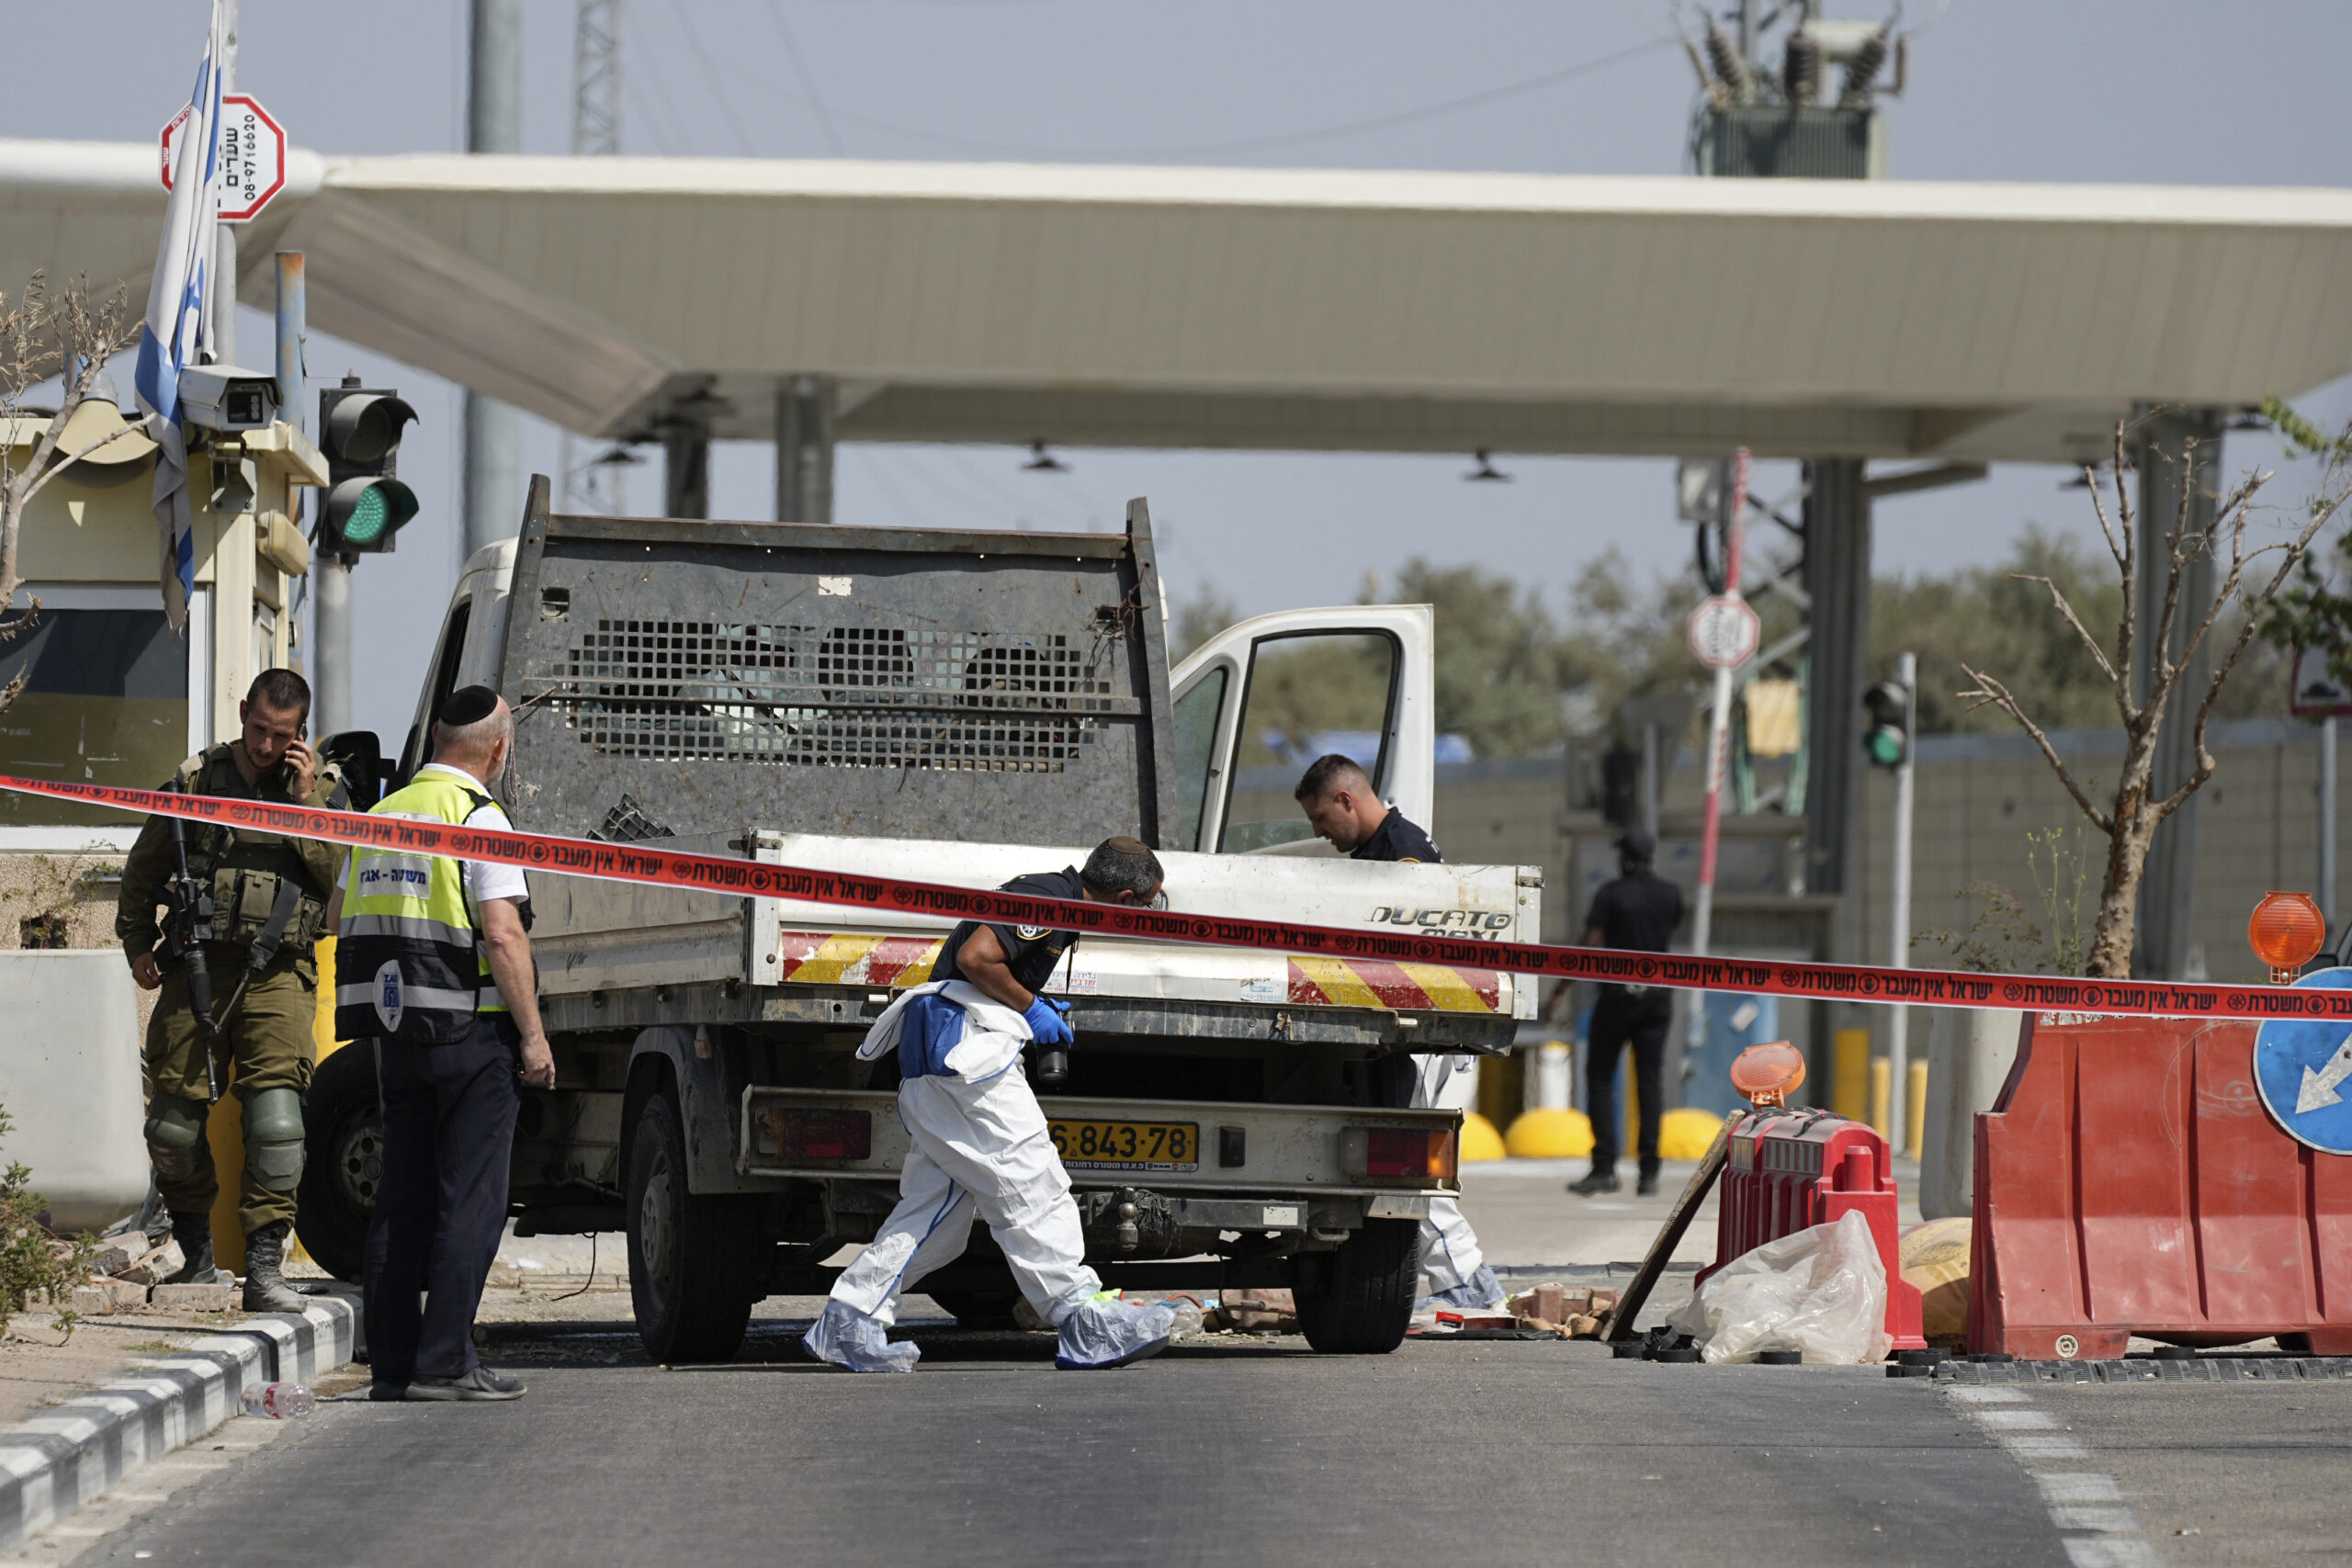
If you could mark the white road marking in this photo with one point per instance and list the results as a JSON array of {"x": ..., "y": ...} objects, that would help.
[{"x": 2085, "y": 1504}]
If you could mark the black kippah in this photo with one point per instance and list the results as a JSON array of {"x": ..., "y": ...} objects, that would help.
[{"x": 469, "y": 704}]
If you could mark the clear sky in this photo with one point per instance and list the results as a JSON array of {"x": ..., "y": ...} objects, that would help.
[{"x": 2159, "y": 91}]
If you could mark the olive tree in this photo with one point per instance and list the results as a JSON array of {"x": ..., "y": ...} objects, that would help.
[{"x": 2251, "y": 578}]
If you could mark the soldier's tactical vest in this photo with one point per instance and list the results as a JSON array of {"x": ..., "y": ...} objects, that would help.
[
  {"x": 246, "y": 869},
  {"x": 410, "y": 964}
]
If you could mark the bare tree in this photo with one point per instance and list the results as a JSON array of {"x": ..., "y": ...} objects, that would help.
[
  {"x": 45, "y": 334},
  {"x": 2130, "y": 819}
]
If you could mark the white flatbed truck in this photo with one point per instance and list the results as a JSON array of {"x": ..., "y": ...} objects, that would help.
[{"x": 958, "y": 707}]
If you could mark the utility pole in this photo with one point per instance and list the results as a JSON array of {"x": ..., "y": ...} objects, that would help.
[
  {"x": 2327, "y": 825},
  {"x": 223, "y": 295},
  {"x": 596, "y": 133},
  {"x": 493, "y": 124},
  {"x": 330, "y": 708}
]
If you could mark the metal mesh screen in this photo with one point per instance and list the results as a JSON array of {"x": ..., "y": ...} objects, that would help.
[{"x": 830, "y": 696}]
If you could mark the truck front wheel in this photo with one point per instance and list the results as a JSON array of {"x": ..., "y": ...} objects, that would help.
[
  {"x": 343, "y": 1160},
  {"x": 694, "y": 1260},
  {"x": 1358, "y": 1299}
]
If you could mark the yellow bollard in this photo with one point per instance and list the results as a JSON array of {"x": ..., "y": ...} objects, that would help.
[
  {"x": 1881, "y": 1095},
  {"x": 1850, "y": 1073},
  {"x": 1479, "y": 1140},
  {"x": 1915, "y": 1118}
]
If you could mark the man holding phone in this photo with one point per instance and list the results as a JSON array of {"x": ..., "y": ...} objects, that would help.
[{"x": 269, "y": 897}]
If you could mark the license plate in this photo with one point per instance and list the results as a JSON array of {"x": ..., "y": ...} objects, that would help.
[{"x": 1127, "y": 1146}]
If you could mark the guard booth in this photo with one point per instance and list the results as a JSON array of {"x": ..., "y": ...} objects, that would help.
[{"x": 114, "y": 695}]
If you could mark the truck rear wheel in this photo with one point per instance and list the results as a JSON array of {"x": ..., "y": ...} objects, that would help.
[
  {"x": 343, "y": 1160},
  {"x": 1357, "y": 1299},
  {"x": 694, "y": 1260}
]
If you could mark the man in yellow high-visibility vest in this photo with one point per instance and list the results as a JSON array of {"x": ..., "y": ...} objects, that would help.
[{"x": 433, "y": 963}]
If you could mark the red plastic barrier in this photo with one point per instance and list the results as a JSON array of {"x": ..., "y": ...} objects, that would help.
[
  {"x": 1789, "y": 1170},
  {"x": 2129, "y": 1182}
]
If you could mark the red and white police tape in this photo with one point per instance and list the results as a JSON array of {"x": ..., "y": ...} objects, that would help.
[{"x": 720, "y": 873}]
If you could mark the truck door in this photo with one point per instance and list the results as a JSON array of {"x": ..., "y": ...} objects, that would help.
[{"x": 1259, "y": 701}]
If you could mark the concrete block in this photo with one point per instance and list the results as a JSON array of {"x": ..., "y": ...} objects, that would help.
[
  {"x": 194, "y": 1298},
  {"x": 114, "y": 1257},
  {"x": 108, "y": 1296},
  {"x": 155, "y": 1266}
]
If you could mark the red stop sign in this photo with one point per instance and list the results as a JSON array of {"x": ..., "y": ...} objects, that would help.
[{"x": 253, "y": 155}]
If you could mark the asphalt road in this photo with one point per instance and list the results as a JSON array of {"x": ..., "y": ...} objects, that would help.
[{"x": 1250, "y": 1451}]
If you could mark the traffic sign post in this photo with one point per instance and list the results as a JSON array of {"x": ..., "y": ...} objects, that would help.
[
  {"x": 253, "y": 156},
  {"x": 1724, "y": 631}
]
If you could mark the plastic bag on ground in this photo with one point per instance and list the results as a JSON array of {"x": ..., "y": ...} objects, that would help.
[{"x": 1821, "y": 1291}]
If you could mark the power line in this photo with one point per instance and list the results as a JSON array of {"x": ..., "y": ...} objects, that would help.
[
  {"x": 807, "y": 81},
  {"x": 710, "y": 74},
  {"x": 1287, "y": 138}
]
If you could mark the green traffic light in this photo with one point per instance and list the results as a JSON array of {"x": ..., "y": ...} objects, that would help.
[
  {"x": 366, "y": 523},
  {"x": 1886, "y": 745}
]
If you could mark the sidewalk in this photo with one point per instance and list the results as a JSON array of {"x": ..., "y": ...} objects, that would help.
[{"x": 86, "y": 1410}]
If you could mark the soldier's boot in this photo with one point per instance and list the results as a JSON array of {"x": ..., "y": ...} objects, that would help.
[
  {"x": 193, "y": 1232},
  {"x": 266, "y": 1286}
]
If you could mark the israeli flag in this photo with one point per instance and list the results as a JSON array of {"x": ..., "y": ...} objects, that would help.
[{"x": 180, "y": 302}]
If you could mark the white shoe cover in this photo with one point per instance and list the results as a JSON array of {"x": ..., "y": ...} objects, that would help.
[
  {"x": 1104, "y": 1332},
  {"x": 1480, "y": 1290},
  {"x": 847, "y": 1337}
]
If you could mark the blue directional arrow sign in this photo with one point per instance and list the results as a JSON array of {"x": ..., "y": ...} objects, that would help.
[{"x": 2303, "y": 1068}]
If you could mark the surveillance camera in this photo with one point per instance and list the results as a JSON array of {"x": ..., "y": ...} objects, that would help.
[{"x": 221, "y": 397}]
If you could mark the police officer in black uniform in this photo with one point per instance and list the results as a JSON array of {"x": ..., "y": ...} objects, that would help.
[
  {"x": 1341, "y": 806},
  {"x": 1637, "y": 912}
]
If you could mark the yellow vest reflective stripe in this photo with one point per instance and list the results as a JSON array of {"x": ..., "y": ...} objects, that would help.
[{"x": 411, "y": 964}]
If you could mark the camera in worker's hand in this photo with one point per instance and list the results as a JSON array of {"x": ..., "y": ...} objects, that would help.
[{"x": 1050, "y": 1038}]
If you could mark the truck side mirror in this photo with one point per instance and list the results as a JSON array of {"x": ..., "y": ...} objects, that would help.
[{"x": 361, "y": 757}]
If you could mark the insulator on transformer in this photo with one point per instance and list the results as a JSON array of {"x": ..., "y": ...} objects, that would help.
[
  {"x": 1730, "y": 69},
  {"x": 1800, "y": 68},
  {"x": 1862, "y": 71}
]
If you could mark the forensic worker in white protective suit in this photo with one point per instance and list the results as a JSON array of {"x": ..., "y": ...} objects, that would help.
[{"x": 981, "y": 1147}]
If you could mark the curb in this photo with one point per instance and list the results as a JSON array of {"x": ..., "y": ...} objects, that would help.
[
  {"x": 2220, "y": 1368},
  {"x": 53, "y": 1463}
]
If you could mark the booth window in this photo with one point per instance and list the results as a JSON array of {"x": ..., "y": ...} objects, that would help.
[{"x": 105, "y": 701}]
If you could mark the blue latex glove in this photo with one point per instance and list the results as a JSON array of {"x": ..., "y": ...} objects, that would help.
[{"x": 1046, "y": 1024}]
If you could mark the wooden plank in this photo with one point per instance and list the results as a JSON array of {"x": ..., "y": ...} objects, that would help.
[{"x": 1618, "y": 1324}]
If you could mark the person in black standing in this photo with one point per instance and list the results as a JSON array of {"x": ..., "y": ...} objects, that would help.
[{"x": 1637, "y": 912}]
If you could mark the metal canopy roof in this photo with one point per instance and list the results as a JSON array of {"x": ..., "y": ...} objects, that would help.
[{"x": 1164, "y": 307}]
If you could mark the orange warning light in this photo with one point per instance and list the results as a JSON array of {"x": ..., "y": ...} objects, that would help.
[
  {"x": 1768, "y": 1075},
  {"x": 2286, "y": 930}
]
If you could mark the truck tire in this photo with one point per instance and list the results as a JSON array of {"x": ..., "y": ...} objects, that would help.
[
  {"x": 1357, "y": 1299},
  {"x": 343, "y": 1159},
  {"x": 694, "y": 1261}
]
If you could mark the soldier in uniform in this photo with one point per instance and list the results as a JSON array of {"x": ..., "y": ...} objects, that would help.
[{"x": 269, "y": 898}]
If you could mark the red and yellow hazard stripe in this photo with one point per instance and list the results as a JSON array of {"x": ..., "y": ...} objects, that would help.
[
  {"x": 848, "y": 958},
  {"x": 1405, "y": 988}
]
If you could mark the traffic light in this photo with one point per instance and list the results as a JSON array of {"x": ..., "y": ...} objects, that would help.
[
  {"x": 361, "y": 429},
  {"x": 1888, "y": 738}
]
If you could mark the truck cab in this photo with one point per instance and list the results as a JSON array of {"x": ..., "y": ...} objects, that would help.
[{"x": 956, "y": 707}]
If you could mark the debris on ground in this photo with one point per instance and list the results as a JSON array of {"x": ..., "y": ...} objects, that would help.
[{"x": 1572, "y": 1312}]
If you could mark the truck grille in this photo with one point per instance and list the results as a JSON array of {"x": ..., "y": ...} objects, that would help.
[{"x": 837, "y": 697}]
